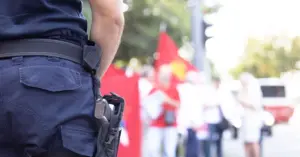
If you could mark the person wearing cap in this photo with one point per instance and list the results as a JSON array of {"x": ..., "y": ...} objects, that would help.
[{"x": 50, "y": 72}]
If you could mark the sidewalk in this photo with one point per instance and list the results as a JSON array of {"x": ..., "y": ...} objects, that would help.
[
  {"x": 232, "y": 148},
  {"x": 285, "y": 142}
]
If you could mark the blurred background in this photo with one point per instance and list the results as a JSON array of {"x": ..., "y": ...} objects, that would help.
[{"x": 217, "y": 39}]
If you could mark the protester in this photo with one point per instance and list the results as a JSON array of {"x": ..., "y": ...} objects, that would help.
[
  {"x": 250, "y": 98},
  {"x": 190, "y": 118},
  {"x": 146, "y": 81},
  {"x": 163, "y": 128},
  {"x": 212, "y": 117},
  {"x": 227, "y": 111},
  {"x": 146, "y": 84},
  {"x": 222, "y": 123}
]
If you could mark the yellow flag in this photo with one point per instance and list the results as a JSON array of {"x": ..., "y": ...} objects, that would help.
[{"x": 178, "y": 69}]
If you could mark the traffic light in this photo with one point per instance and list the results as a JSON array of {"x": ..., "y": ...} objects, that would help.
[{"x": 205, "y": 25}]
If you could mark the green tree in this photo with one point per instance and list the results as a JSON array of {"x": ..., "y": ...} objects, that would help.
[
  {"x": 269, "y": 58},
  {"x": 143, "y": 25}
]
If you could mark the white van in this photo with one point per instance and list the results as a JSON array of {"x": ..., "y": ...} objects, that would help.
[{"x": 275, "y": 99}]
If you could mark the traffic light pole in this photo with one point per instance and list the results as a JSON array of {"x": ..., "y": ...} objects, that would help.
[{"x": 196, "y": 34}]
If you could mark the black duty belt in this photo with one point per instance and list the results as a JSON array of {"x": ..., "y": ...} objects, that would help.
[{"x": 88, "y": 55}]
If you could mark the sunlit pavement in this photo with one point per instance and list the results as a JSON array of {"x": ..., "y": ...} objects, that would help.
[{"x": 285, "y": 142}]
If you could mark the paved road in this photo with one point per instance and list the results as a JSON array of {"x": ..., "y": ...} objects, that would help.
[{"x": 284, "y": 143}]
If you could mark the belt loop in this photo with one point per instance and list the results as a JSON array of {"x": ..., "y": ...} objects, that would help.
[{"x": 17, "y": 60}]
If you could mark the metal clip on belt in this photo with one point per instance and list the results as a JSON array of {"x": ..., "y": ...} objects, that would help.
[{"x": 88, "y": 56}]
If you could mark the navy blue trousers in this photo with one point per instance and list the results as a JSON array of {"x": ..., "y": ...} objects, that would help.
[
  {"x": 46, "y": 108},
  {"x": 192, "y": 144},
  {"x": 214, "y": 142}
]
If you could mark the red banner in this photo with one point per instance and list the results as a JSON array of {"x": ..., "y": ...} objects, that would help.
[
  {"x": 128, "y": 89},
  {"x": 168, "y": 54}
]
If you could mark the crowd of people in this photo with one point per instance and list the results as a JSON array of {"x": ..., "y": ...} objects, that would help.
[{"x": 195, "y": 113}]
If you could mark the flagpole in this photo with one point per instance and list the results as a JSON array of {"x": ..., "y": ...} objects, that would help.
[{"x": 196, "y": 34}]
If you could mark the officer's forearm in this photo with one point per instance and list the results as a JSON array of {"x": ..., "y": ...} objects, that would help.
[
  {"x": 106, "y": 32},
  {"x": 107, "y": 28}
]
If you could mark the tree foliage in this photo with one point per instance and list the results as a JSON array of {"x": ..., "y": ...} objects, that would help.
[
  {"x": 143, "y": 26},
  {"x": 269, "y": 58},
  {"x": 143, "y": 22}
]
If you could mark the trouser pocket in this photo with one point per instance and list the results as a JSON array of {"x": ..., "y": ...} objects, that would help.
[{"x": 72, "y": 141}]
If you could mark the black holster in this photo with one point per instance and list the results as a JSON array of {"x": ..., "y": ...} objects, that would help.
[{"x": 108, "y": 121}]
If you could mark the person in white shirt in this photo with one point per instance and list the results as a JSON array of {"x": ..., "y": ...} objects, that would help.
[
  {"x": 145, "y": 87},
  {"x": 226, "y": 104},
  {"x": 190, "y": 114},
  {"x": 212, "y": 116},
  {"x": 161, "y": 105},
  {"x": 250, "y": 98},
  {"x": 218, "y": 113}
]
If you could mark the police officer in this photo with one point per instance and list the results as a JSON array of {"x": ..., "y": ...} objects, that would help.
[{"x": 48, "y": 73}]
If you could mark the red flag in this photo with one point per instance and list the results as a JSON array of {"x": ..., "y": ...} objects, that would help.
[
  {"x": 128, "y": 89},
  {"x": 167, "y": 53},
  {"x": 167, "y": 50},
  {"x": 113, "y": 71}
]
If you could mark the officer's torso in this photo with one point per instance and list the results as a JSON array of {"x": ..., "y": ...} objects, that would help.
[{"x": 38, "y": 18}]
